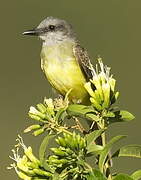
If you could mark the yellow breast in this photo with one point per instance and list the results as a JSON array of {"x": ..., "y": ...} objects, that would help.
[{"x": 63, "y": 71}]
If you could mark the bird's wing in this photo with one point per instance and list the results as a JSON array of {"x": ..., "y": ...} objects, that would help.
[
  {"x": 84, "y": 61},
  {"x": 87, "y": 68}
]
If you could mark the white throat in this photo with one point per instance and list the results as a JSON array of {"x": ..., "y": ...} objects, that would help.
[{"x": 53, "y": 39}]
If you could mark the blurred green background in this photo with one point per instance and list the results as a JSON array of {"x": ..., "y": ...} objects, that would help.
[{"x": 110, "y": 28}]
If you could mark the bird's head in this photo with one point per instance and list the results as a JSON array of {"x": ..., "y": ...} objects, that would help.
[{"x": 52, "y": 30}]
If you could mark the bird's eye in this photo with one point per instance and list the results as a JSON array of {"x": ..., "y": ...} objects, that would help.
[{"x": 52, "y": 27}]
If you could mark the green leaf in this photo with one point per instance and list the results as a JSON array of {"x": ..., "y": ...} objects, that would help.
[
  {"x": 93, "y": 136},
  {"x": 61, "y": 114},
  {"x": 43, "y": 147},
  {"x": 78, "y": 109},
  {"x": 93, "y": 148},
  {"x": 126, "y": 116},
  {"x": 99, "y": 175},
  {"x": 92, "y": 117},
  {"x": 132, "y": 150},
  {"x": 109, "y": 114},
  {"x": 56, "y": 176},
  {"x": 136, "y": 175},
  {"x": 123, "y": 177},
  {"x": 121, "y": 116},
  {"x": 105, "y": 151},
  {"x": 82, "y": 111},
  {"x": 95, "y": 175}
]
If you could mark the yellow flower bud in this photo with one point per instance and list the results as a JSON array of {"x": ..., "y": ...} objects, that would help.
[
  {"x": 23, "y": 176},
  {"x": 34, "y": 111},
  {"x": 41, "y": 108},
  {"x": 89, "y": 88},
  {"x": 33, "y": 127},
  {"x": 96, "y": 104},
  {"x": 38, "y": 132},
  {"x": 29, "y": 154},
  {"x": 106, "y": 93}
]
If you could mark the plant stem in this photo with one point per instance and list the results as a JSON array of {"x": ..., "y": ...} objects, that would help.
[
  {"x": 66, "y": 131},
  {"x": 107, "y": 164}
]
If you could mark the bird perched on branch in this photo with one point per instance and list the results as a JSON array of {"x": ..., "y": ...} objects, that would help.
[{"x": 65, "y": 63}]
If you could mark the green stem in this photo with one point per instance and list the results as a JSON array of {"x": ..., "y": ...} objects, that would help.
[
  {"x": 88, "y": 166},
  {"x": 64, "y": 130},
  {"x": 103, "y": 136}
]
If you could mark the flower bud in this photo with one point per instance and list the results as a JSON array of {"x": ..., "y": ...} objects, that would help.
[
  {"x": 33, "y": 127},
  {"x": 23, "y": 176},
  {"x": 89, "y": 89},
  {"x": 34, "y": 111},
  {"x": 96, "y": 104},
  {"x": 22, "y": 165},
  {"x": 50, "y": 105},
  {"x": 41, "y": 108},
  {"x": 38, "y": 132},
  {"x": 59, "y": 152},
  {"x": 35, "y": 117},
  {"x": 61, "y": 141},
  {"x": 42, "y": 173},
  {"x": 103, "y": 95},
  {"x": 106, "y": 93},
  {"x": 28, "y": 152}
]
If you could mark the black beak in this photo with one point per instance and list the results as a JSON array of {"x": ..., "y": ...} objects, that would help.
[{"x": 33, "y": 32}]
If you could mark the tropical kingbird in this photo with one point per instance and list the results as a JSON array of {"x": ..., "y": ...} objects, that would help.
[{"x": 65, "y": 63}]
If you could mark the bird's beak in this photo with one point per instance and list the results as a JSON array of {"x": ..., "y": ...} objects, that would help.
[{"x": 33, "y": 32}]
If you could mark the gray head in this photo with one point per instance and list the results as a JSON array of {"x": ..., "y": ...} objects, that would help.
[{"x": 52, "y": 30}]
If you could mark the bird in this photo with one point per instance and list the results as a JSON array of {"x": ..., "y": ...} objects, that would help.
[{"x": 64, "y": 61}]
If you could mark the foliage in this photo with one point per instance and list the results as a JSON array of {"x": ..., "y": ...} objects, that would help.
[{"x": 76, "y": 144}]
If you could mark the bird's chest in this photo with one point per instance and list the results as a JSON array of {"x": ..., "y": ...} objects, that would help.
[{"x": 61, "y": 68}]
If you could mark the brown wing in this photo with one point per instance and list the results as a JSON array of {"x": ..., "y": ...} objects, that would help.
[{"x": 84, "y": 61}]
